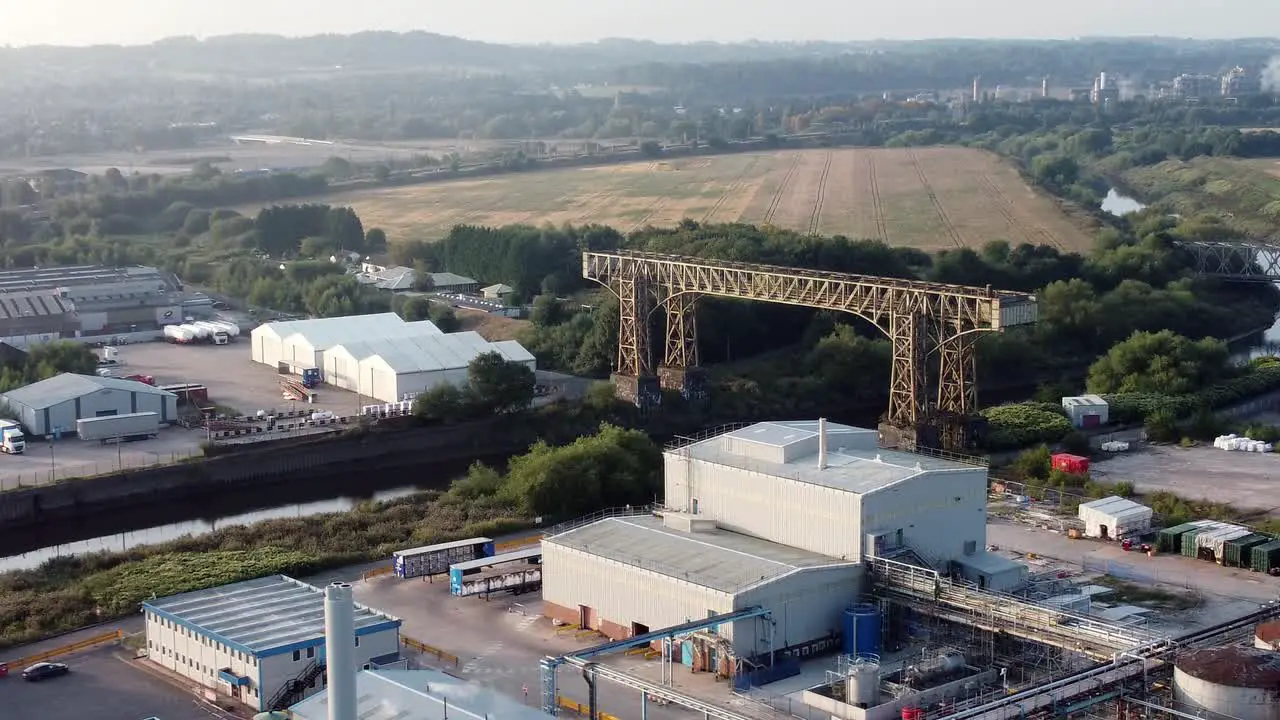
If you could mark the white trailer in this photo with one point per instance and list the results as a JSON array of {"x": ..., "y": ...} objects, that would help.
[
  {"x": 230, "y": 328},
  {"x": 130, "y": 426}
]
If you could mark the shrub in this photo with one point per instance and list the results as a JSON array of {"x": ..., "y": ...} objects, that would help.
[{"x": 1023, "y": 424}]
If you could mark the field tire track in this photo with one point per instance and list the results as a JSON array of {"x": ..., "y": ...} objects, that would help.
[
  {"x": 1005, "y": 207},
  {"x": 877, "y": 206},
  {"x": 821, "y": 196},
  {"x": 734, "y": 187},
  {"x": 782, "y": 190},
  {"x": 597, "y": 201},
  {"x": 933, "y": 198}
]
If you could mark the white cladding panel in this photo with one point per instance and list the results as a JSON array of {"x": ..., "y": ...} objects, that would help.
[
  {"x": 199, "y": 658},
  {"x": 806, "y": 605},
  {"x": 622, "y": 593},
  {"x": 1243, "y": 703},
  {"x": 942, "y": 514},
  {"x": 789, "y": 512},
  {"x": 194, "y": 656}
]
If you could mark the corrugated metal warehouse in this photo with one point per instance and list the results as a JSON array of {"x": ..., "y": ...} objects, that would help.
[
  {"x": 779, "y": 515},
  {"x": 299, "y": 344},
  {"x": 391, "y": 368},
  {"x": 378, "y": 356},
  {"x": 51, "y": 407},
  {"x": 627, "y": 576},
  {"x": 250, "y": 639}
]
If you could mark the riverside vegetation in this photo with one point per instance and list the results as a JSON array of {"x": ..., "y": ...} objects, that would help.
[{"x": 614, "y": 466}]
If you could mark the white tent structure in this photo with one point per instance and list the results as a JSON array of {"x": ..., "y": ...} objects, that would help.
[
  {"x": 298, "y": 344},
  {"x": 392, "y": 368},
  {"x": 1115, "y": 518}
]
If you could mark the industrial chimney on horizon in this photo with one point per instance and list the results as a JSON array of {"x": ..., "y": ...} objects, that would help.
[{"x": 340, "y": 650}]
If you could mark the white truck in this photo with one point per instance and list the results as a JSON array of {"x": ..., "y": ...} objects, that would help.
[
  {"x": 130, "y": 426},
  {"x": 12, "y": 440}
]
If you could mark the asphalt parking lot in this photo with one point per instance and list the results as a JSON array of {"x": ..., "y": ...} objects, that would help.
[
  {"x": 1245, "y": 480},
  {"x": 71, "y": 457},
  {"x": 100, "y": 686}
]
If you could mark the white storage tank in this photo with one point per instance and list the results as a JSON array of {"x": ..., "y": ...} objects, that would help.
[
  {"x": 1239, "y": 682},
  {"x": 1086, "y": 411},
  {"x": 862, "y": 686}
]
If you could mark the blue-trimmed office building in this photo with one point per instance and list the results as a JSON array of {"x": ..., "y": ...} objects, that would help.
[{"x": 249, "y": 640}]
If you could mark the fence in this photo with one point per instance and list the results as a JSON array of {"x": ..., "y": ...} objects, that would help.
[
  {"x": 582, "y": 709},
  {"x": 780, "y": 705},
  {"x": 420, "y": 646},
  {"x": 85, "y": 644},
  {"x": 67, "y": 470}
]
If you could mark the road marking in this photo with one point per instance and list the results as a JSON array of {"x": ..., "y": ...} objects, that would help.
[{"x": 474, "y": 663}]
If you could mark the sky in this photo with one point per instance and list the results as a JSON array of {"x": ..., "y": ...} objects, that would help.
[{"x": 87, "y": 22}]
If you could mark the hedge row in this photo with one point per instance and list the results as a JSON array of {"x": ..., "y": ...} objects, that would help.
[{"x": 1128, "y": 408}]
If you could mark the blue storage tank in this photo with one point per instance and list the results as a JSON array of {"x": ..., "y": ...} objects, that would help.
[{"x": 861, "y": 629}]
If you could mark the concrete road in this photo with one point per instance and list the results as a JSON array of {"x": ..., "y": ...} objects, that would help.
[
  {"x": 1244, "y": 480},
  {"x": 101, "y": 686}
]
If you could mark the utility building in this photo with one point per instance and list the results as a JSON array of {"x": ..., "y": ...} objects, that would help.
[
  {"x": 261, "y": 641},
  {"x": 52, "y": 407},
  {"x": 776, "y": 515},
  {"x": 392, "y": 369}
]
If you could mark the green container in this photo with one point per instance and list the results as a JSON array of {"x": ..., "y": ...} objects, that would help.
[
  {"x": 1236, "y": 553},
  {"x": 1170, "y": 539},
  {"x": 1189, "y": 541},
  {"x": 1266, "y": 556}
]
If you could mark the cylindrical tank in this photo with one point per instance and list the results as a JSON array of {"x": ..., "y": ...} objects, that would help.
[
  {"x": 862, "y": 686},
  {"x": 1236, "y": 681},
  {"x": 1267, "y": 636},
  {"x": 949, "y": 662},
  {"x": 862, "y": 630},
  {"x": 912, "y": 713}
]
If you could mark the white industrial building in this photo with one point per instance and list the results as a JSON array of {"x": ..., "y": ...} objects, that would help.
[
  {"x": 1086, "y": 411},
  {"x": 1115, "y": 518},
  {"x": 52, "y": 407},
  {"x": 779, "y": 515},
  {"x": 378, "y": 356},
  {"x": 261, "y": 641}
]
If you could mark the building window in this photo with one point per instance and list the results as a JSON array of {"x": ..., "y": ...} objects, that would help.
[
  {"x": 297, "y": 655},
  {"x": 970, "y": 547},
  {"x": 311, "y": 652}
]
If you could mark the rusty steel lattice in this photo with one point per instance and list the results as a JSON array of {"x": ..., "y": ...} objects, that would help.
[
  {"x": 920, "y": 318},
  {"x": 1236, "y": 260}
]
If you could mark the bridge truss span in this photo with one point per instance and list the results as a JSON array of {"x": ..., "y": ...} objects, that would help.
[{"x": 921, "y": 319}]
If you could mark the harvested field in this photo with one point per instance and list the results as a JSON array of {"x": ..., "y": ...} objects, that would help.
[
  {"x": 491, "y": 327},
  {"x": 929, "y": 198}
]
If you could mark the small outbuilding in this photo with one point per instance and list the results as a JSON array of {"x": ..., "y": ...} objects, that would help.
[
  {"x": 497, "y": 292},
  {"x": 1086, "y": 411},
  {"x": 1114, "y": 518},
  {"x": 52, "y": 407},
  {"x": 990, "y": 571}
]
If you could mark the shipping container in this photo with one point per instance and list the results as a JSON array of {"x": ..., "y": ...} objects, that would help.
[
  {"x": 1237, "y": 551},
  {"x": 461, "y": 572},
  {"x": 126, "y": 427},
  {"x": 1211, "y": 545},
  {"x": 1265, "y": 557},
  {"x": 517, "y": 579},
  {"x": 1073, "y": 464},
  {"x": 436, "y": 559},
  {"x": 1170, "y": 539}
]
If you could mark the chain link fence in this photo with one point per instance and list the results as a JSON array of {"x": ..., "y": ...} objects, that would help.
[{"x": 57, "y": 472}]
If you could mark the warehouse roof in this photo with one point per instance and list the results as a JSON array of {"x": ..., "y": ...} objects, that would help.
[
  {"x": 433, "y": 353},
  {"x": 789, "y": 449},
  {"x": 69, "y": 386},
  {"x": 715, "y": 559},
  {"x": 1115, "y": 506},
  {"x": 420, "y": 695},
  {"x": 258, "y": 616},
  {"x": 448, "y": 280},
  {"x": 324, "y": 333},
  {"x": 33, "y": 304}
]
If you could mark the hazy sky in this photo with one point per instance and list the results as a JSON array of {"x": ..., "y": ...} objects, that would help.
[{"x": 82, "y": 22}]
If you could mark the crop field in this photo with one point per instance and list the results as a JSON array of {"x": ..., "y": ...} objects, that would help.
[
  {"x": 1244, "y": 194},
  {"x": 929, "y": 198}
]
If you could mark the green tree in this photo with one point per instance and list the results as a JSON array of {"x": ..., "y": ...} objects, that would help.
[
  {"x": 443, "y": 403},
  {"x": 443, "y": 317},
  {"x": 381, "y": 172},
  {"x": 416, "y": 308},
  {"x": 500, "y": 384},
  {"x": 375, "y": 241},
  {"x": 1161, "y": 362}
]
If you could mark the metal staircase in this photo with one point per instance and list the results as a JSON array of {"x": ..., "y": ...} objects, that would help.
[{"x": 292, "y": 691}]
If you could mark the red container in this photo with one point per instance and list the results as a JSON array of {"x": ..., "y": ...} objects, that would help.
[
  {"x": 1073, "y": 464},
  {"x": 912, "y": 713}
]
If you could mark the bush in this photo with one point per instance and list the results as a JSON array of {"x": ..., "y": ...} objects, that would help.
[{"x": 1023, "y": 424}]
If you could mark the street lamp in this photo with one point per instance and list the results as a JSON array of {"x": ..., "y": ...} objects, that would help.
[{"x": 53, "y": 467}]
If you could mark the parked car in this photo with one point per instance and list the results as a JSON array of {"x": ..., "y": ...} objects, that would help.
[{"x": 44, "y": 670}]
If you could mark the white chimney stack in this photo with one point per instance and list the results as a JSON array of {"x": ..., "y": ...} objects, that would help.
[
  {"x": 340, "y": 650},
  {"x": 822, "y": 443}
]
